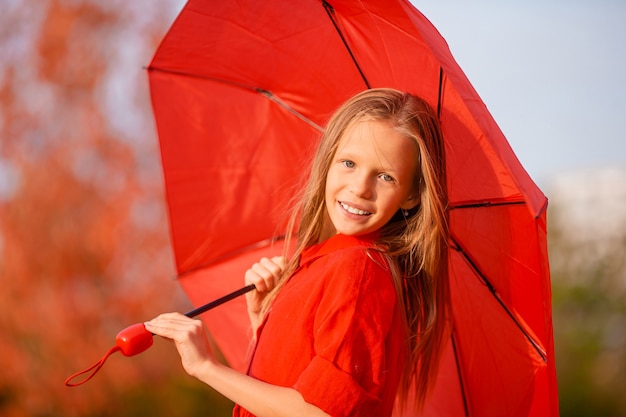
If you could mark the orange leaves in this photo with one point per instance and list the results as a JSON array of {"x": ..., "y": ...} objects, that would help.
[{"x": 84, "y": 250}]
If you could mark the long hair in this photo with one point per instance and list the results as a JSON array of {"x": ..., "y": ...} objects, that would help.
[{"x": 415, "y": 244}]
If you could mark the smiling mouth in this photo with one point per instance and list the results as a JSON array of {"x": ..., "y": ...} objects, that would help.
[{"x": 353, "y": 210}]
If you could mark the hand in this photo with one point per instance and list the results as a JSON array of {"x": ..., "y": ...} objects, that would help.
[
  {"x": 189, "y": 337},
  {"x": 264, "y": 275}
]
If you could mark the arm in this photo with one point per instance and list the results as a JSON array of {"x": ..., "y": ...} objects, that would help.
[{"x": 260, "y": 398}]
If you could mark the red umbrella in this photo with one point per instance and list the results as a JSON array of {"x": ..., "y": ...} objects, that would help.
[{"x": 240, "y": 91}]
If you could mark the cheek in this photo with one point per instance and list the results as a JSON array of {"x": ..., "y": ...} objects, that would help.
[
  {"x": 327, "y": 190},
  {"x": 392, "y": 203},
  {"x": 331, "y": 183}
]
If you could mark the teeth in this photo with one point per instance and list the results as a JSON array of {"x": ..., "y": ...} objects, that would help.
[{"x": 354, "y": 210}]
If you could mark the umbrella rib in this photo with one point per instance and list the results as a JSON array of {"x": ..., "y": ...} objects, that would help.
[
  {"x": 268, "y": 94},
  {"x": 330, "y": 11},
  {"x": 482, "y": 204},
  {"x": 232, "y": 254},
  {"x": 460, "y": 374},
  {"x": 284, "y": 105},
  {"x": 440, "y": 93},
  {"x": 494, "y": 293}
]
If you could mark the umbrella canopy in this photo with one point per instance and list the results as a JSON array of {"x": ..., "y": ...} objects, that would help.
[{"x": 241, "y": 91}]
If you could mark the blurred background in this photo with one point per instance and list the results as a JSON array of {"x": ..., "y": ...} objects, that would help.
[{"x": 84, "y": 245}]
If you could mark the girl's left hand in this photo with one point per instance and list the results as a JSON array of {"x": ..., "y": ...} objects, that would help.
[
  {"x": 264, "y": 275},
  {"x": 189, "y": 337}
]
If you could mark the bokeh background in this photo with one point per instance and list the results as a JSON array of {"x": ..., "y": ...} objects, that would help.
[{"x": 84, "y": 244}]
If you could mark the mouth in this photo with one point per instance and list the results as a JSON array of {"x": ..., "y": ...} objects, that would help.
[{"x": 354, "y": 210}]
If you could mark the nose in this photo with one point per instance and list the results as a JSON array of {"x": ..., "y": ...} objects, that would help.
[{"x": 361, "y": 186}]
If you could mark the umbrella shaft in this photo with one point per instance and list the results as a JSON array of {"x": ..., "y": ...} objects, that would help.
[{"x": 219, "y": 301}]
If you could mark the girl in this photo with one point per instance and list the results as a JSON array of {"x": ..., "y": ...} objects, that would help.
[{"x": 356, "y": 314}]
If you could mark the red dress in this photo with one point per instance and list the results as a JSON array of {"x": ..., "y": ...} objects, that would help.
[{"x": 335, "y": 332}]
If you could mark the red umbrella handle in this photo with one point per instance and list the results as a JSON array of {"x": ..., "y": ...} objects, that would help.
[{"x": 135, "y": 339}]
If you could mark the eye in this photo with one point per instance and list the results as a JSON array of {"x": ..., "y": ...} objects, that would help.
[
  {"x": 386, "y": 177},
  {"x": 347, "y": 163}
]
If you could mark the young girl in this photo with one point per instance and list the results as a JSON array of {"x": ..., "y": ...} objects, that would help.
[{"x": 355, "y": 317}]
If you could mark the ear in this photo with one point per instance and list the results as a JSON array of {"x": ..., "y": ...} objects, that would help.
[{"x": 410, "y": 203}]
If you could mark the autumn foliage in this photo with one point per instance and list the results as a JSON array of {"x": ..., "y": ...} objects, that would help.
[{"x": 84, "y": 248}]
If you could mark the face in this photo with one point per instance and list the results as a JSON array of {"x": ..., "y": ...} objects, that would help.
[{"x": 370, "y": 178}]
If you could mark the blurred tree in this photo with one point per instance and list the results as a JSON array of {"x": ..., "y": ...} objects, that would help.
[
  {"x": 589, "y": 289},
  {"x": 84, "y": 250}
]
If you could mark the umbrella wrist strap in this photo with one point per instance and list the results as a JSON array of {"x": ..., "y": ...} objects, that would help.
[{"x": 92, "y": 370}]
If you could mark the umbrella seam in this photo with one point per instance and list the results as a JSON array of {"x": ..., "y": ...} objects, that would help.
[
  {"x": 486, "y": 204},
  {"x": 460, "y": 374},
  {"x": 266, "y": 93},
  {"x": 330, "y": 11},
  {"x": 232, "y": 254},
  {"x": 492, "y": 290}
]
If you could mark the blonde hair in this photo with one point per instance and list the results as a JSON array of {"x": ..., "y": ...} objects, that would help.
[{"x": 415, "y": 245}]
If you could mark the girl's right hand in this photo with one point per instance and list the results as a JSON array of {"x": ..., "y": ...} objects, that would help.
[{"x": 264, "y": 275}]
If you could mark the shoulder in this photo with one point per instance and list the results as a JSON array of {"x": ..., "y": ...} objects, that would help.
[
  {"x": 348, "y": 251},
  {"x": 361, "y": 272},
  {"x": 352, "y": 264},
  {"x": 357, "y": 259}
]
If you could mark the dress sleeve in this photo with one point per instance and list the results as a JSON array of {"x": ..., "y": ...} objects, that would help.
[{"x": 347, "y": 375}]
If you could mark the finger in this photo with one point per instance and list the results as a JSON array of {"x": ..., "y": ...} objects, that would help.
[
  {"x": 281, "y": 261},
  {"x": 254, "y": 276},
  {"x": 273, "y": 266},
  {"x": 262, "y": 274},
  {"x": 174, "y": 317},
  {"x": 171, "y": 325}
]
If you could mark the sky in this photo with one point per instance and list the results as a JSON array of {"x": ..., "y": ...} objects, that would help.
[{"x": 552, "y": 73}]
